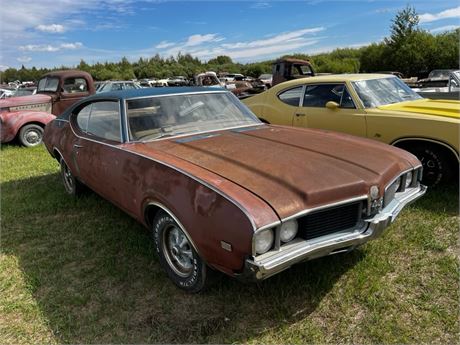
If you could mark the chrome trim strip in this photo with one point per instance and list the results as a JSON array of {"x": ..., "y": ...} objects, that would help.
[
  {"x": 221, "y": 193},
  {"x": 164, "y": 208}
]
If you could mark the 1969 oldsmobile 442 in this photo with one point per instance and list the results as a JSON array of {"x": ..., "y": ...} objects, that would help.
[
  {"x": 376, "y": 106},
  {"x": 219, "y": 189}
]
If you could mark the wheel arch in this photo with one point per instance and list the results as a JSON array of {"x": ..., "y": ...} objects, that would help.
[
  {"x": 407, "y": 141},
  {"x": 153, "y": 208}
]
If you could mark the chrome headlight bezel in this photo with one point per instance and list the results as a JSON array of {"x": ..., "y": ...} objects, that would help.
[{"x": 408, "y": 179}]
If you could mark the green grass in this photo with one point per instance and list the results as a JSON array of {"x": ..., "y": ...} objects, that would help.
[{"x": 81, "y": 271}]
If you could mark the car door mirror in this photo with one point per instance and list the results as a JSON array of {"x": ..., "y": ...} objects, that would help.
[{"x": 332, "y": 105}]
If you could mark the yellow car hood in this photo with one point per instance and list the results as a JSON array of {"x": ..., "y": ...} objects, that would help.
[{"x": 447, "y": 108}]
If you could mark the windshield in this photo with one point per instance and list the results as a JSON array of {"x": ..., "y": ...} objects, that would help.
[
  {"x": 265, "y": 76},
  {"x": 48, "y": 84},
  {"x": 440, "y": 73},
  {"x": 376, "y": 92},
  {"x": 157, "y": 117}
]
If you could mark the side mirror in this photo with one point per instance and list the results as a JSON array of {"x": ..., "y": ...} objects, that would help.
[{"x": 332, "y": 105}]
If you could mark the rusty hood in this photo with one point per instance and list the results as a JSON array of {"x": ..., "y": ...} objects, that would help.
[
  {"x": 291, "y": 169},
  {"x": 24, "y": 101}
]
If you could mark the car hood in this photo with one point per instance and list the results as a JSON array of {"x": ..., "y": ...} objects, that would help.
[
  {"x": 291, "y": 169},
  {"x": 24, "y": 101},
  {"x": 446, "y": 108}
]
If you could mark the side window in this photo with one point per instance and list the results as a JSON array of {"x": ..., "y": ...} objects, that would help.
[
  {"x": 74, "y": 85},
  {"x": 291, "y": 96},
  {"x": 319, "y": 95},
  {"x": 347, "y": 101},
  {"x": 83, "y": 116},
  {"x": 100, "y": 119}
]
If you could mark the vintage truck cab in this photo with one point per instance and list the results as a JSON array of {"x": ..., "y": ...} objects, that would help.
[
  {"x": 25, "y": 117},
  {"x": 289, "y": 68}
]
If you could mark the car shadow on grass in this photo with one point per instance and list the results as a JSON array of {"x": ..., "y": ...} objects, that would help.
[{"x": 91, "y": 270}]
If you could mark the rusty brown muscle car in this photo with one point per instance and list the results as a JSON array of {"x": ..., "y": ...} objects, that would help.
[{"x": 218, "y": 189}]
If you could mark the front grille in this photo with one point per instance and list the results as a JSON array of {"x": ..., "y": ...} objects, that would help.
[{"x": 330, "y": 221}]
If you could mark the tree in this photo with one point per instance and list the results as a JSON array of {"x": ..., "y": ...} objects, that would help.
[{"x": 404, "y": 25}]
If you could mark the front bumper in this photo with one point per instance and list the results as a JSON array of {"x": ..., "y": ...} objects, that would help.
[{"x": 299, "y": 250}]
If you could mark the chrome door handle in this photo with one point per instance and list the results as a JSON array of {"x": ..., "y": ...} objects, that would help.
[
  {"x": 76, "y": 146},
  {"x": 299, "y": 114}
]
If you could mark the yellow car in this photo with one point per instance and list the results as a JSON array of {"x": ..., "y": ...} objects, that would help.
[{"x": 376, "y": 106}]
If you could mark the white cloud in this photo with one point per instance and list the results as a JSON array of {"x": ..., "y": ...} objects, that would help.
[
  {"x": 53, "y": 28},
  {"x": 3, "y": 67},
  {"x": 71, "y": 46},
  {"x": 261, "y": 5},
  {"x": 445, "y": 28},
  {"x": 195, "y": 40},
  {"x": 24, "y": 59},
  {"x": 50, "y": 48},
  {"x": 207, "y": 46},
  {"x": 283, "y": 38},
  {"x": 450, "y": 13},
  {"x": 164, "y": 44}
]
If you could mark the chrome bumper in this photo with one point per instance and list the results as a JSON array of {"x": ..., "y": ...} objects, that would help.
[{"x": 300, "y": 250}]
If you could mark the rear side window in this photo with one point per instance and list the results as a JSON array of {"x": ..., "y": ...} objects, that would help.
[
  {"x": 101, "y": 119},
  {"x": 291, "y": 96},
  {"x": 74, "y": 85}
]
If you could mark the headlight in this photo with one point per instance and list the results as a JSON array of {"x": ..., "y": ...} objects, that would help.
[
  {"x": 263, "y": 241},
  {"x": 288, "y": 230},
  {"x": 409, "y": 177}
]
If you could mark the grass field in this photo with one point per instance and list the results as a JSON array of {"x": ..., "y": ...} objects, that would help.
[{"x": 81, "y": 271}]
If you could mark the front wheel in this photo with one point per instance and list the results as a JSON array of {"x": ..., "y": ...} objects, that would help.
[
  {"x": 31, "y": 135},
  {"x": 176, "y": 254}
]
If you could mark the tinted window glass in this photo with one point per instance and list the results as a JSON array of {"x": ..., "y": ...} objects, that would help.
[
  {"x": 74, "y": 85},
  {"x": 101, "y": 119},
  {"x": 347, "y": 101},
  {"x": 319, "y": 95},
  {"x": 83, "y": 116},
  {"x": 291, "y": 96},
  {"x": 48, "y": 84}
]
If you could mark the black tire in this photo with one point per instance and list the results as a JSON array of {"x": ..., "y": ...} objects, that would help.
[
  {"x": 71, "y": 185},
  {"x": 436, "y": 166},
  {"x": 30, "y": 135},
  {"x": 177, "y": 256}
]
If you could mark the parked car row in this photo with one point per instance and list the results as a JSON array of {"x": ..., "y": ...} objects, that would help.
[{"x": 245, "y": 189}]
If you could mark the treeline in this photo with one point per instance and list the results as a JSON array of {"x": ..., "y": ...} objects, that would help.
[{"x": 409, "y": 50}]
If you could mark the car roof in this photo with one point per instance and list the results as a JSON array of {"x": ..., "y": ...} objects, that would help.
[
  {"x": 156, "y": 91},
  {"x": 336, "y": 78}
]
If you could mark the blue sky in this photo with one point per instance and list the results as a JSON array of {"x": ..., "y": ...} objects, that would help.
[{"x": 48, "y": 33}]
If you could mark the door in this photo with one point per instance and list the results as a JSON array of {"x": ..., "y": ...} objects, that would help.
[
  {"x": 72, "y": 90},
  {"x": 342, "y": 115},
  {"x": 96, "y": 153}
]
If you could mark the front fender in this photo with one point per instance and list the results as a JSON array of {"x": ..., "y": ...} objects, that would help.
[{"x": 12, "y": 122}]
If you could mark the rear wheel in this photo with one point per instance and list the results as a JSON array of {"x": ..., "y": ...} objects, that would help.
[
  {"x": 71, "y": 184},
  {"x": 31, "y": 135},
  {"x": 176, "y": 254}
]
